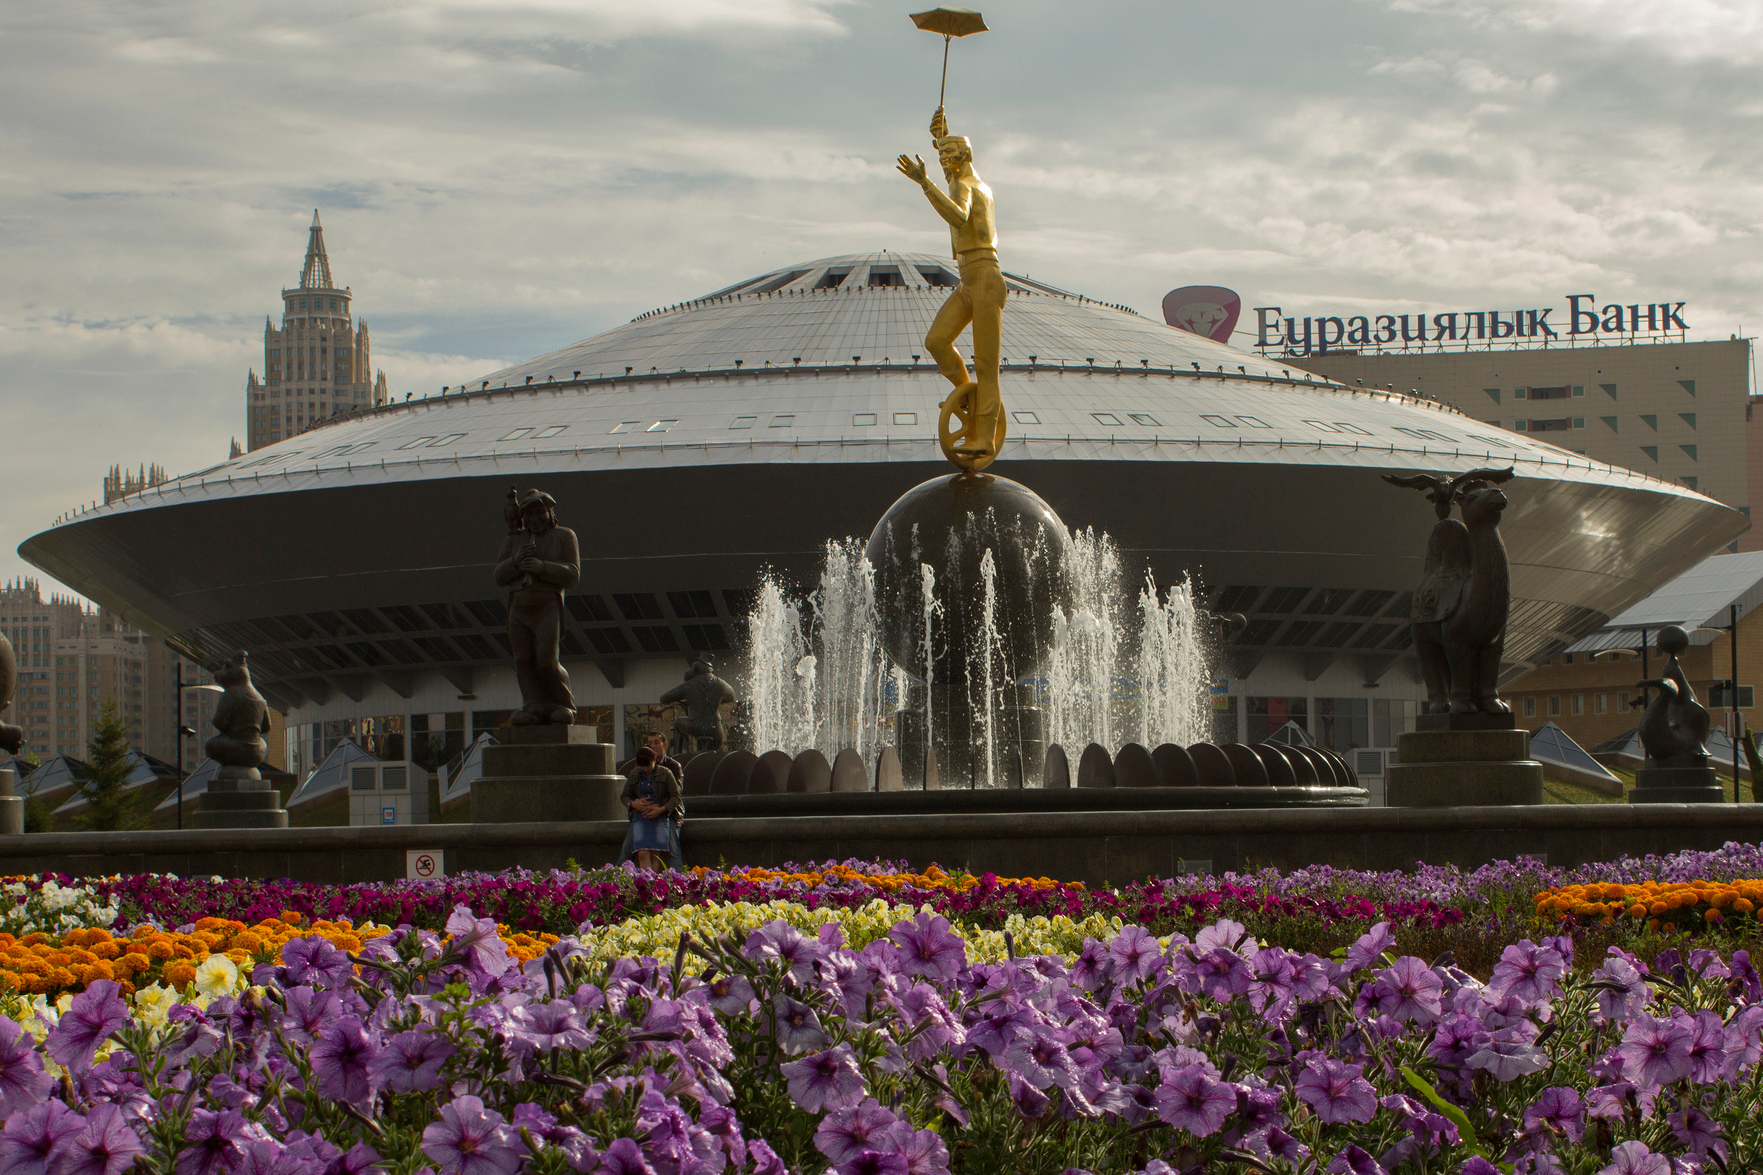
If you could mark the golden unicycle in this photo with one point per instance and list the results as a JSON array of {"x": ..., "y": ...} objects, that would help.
[{"x": 955, "y": 431}]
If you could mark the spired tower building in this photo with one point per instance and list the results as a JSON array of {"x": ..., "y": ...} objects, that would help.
[{"x": 317, "y": 363}]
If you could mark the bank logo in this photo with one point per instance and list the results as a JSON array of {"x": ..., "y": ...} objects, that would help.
[{"x": 1210, "y": 311}]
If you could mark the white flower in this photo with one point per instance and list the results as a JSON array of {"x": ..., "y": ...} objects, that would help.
[
  {"x": 217, "y": 976},
  {"x": 153, "y": 1005}
]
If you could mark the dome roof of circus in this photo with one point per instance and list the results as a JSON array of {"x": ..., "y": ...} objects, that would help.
[{"x": 867, "y": 309}]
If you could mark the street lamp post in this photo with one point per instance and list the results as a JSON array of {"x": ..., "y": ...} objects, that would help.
[{"x": 182, "y": 733}]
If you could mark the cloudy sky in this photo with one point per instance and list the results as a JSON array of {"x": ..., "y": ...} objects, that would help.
[{"x": 501, "y": 177}]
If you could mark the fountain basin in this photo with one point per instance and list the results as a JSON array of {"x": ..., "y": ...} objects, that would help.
[{"x": 984, "y": 800}]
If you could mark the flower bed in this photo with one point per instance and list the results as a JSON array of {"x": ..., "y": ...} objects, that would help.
[
  {"x": 1668, "y": 906},
  {"x": 902, "y": 1056}
]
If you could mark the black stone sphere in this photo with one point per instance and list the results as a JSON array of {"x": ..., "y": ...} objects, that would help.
[{"x": 948, "y": 524}]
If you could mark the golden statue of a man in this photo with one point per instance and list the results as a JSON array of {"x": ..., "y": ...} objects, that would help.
[{"x": 971, "y": 429}]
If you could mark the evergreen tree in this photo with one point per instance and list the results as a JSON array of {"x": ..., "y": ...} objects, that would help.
[{"x": 108, "y": 807}]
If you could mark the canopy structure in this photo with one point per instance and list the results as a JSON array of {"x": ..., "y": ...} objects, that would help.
[
  {"x": 1627, "y": 744},
  {"x": 145, "y": 769},
  {"x": 1561, "y": 756},
  {"x": 458, "y": 774},
  {"x": 1292, "y": 735},
  {"x": 1701, "y": 600},
  {"x": 57, "y": 772},
  {"x": 330, "y": 775},
  {"x": 195, "y": 785}
]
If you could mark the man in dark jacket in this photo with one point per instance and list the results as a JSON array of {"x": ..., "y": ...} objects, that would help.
[{"x": 656, "y": 743}]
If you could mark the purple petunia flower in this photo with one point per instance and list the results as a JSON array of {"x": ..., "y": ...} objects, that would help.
[
  {"x": 1559, "y": 1108},
  {"x": 1337, "y": 1092},
  {"x": 781, "y": 941},
  {"x": 1476, "y": 1165},
  {"x": 1354, "y": 1161},
  {"x": 1414, "y": 991},
  {"x": 478, "y": 940},
  {"x": 825, "y": 1081},
  {"x": 1654, "y": 1052},
  {"x": 104, "y": 1146},
  {"x": 307, "y": 1011},
  {"x": 311, "y": 960},
  {"x": 341, "y": 1058},
  {"x": 731, "y": 995},
  {"x": 868, "y": 1126},
  {"x": 1041, "y": 1059},
  {"x": 926, "y": 1154},
  {"x": 95, "y": 1014},
  {"x": 216, "y": 1143},
  {"x": 1508, "y": 1060},
  {"x": 1134, "y": 955},
  {"x": 874, "y": 1163},
  {"x": 1622, "y": 990},
  {"x": 1188, "y": 1099},
  {"x": 1223, "y": 974},
  {"x": 798, "y": 1027},
  {"x": 928, "y": 947},
  {"x": 32, "y": 1136},
  {"x": 1709, "y": 1047},
  {"x": 1528, "y": 972},
  {"x": 623, "y": 1157},
  {"x": 1699, "y": 1133},
  {"x": 1633, "y": 1158},
  {"x": 1090, "y": 970},
  {"x": 1369, "y": 948},
  {"x": 410, "y": 1062},
  {"x": 555, "y": 1024},
  {"x": 23, "y": 1083},
  {"x": 765, "y": 1160},
  {"x": 471, "y": 1140}
]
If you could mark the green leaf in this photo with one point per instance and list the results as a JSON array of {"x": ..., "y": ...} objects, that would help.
[{"x": 1458, "y": 1118}]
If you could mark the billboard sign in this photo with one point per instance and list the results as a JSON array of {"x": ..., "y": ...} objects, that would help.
[{"x": 1210, "y": 311}]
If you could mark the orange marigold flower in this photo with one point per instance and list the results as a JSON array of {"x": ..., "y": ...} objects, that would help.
[{"x": 180, "y": 975}]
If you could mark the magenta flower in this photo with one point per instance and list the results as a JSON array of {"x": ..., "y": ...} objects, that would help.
[
  {"x": 1354, "y": 1160},
  {"x": 1633, "y": 1158},
  {"x": 23, "y": 1083},
  {"x": 1411, "y": 991},
  {"x": 623, "y": 1157},
  {"x": 1622, "y": 990},
  {"x": 926, "y": 1154},
  {"x": 1709, "y": 1046},
  {"x": 410, "y": 1062},
  {"x": 1370, "y": 947},
  {"x": 471, "y": 1140},
  {"x": 1337, "y": 1092},
  {"x": 1188, "y": 1099},
  {"x": 341, "y": 1058},
  {"x": 312, "y": 960},
  {"x": 1223, "y": 974},
  {"x": 825, "y": 1081},
  {"x": 928, "y": 947},
  {"x": 1654, "y": 1052},
  {"x": 1699, "y": 1133},
  {"x": 554, "y": 1024},
  {"x": 96, "y": 1013}
]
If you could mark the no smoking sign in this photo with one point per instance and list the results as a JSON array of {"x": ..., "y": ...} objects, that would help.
[{"x": 422, "y": 864}]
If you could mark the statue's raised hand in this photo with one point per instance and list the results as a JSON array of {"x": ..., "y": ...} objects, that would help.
[
  {"x": 912, "y": 167},
  {"x": 939, "y": 125}
]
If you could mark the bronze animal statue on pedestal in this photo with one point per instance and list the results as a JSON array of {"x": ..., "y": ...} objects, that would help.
[
  {"x": 1674, "y": 726},
  {"x": 242, "y": 718},
  {"x": 1459, "y": 614},
  {"x": 11, "y": 737}
]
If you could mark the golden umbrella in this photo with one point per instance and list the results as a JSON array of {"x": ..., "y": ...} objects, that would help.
[{"x": 952, "y": 23}]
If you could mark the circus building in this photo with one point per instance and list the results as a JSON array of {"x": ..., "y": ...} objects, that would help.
[{"x": 701, "y": 443}]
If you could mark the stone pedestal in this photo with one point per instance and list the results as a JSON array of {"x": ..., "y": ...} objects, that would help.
[
  {"x": 11, "y": 804},
  {"x": 547, "y": 774},
  {"x": 239, "y": 797},
  {"x": 1681, "y": 779},
  {"x": 1463, "y": 760}
]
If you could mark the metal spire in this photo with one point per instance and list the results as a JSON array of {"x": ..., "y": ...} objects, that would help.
[{"x": 317, "y": 272}]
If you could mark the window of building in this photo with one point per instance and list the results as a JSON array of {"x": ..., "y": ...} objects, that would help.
[
  {"x": 743, "y": 422},
  {"x": 1554, "y": 705},
  {"x": 515, "y": 435},
  {"x": 1107, "y": 418},
  {"x": 905, "y": 418},
  {"x": 862, "y": 419},
  {"x": 1578, "y": 704},
  {"x": 1143, "y": 418},
  {"x": 785, "y": 420},
  {"x": 1254, "y": 422},
  {"x": 1218, "y": 421},
  {"x": 1025, "y": 418},
  {"x": 626, "y": 426},
  {"x": 661, "y": 426},
  {"x": 1345, "y": 427},
  {"x": 1601, "y": 704},
  {"x": 552, "y": 431}
]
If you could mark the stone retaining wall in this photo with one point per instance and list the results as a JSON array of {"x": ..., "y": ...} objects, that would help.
[{"x": 1092, "y": 847}]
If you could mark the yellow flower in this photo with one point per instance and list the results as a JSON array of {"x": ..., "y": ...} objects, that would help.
[{"x": 217, "y": 976}]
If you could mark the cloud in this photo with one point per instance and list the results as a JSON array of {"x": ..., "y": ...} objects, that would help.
[{"x": 499, "y": 179}]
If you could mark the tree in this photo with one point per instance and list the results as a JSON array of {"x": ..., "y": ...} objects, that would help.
[{"x": 108, "y": 807}]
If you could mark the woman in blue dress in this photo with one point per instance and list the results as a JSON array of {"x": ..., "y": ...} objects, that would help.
[{"x": 652, "y": 796}]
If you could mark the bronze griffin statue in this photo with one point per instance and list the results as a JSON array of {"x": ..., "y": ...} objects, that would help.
[{"x": 1459, "y": 615}]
